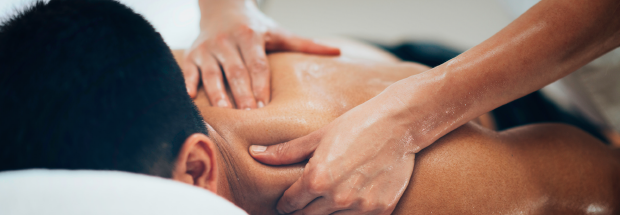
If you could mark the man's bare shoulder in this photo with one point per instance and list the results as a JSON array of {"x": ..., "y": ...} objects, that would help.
[{"x": 544, "y": 168}]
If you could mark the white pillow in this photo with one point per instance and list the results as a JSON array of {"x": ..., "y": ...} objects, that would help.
[{"x": 73, "y": 192}]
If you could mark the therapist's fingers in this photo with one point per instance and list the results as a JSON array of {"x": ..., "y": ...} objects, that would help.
[
  {"x": 300, "y": 194},
  {"x": 236, "y": 74},
  {"x": 283, "y": 41},
  {"x": 253, "y": 52},
  {"x": 290, "y": 152},
  {"x": 317, "y": 206},
  {"x": 191, "y": 76},
  {"x": 355, "y": 212},
  {"x": 213, "y": 82}
]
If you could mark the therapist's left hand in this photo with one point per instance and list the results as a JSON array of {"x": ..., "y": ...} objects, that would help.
[
  {"x": 231, "y": 49},
  {"x": 360, "y": 163}
]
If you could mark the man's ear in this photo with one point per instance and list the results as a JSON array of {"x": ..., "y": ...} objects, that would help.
[{"x": 197, "y": 164}]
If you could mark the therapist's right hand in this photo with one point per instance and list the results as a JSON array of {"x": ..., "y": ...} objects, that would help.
[{"x": 234, "y": 37}]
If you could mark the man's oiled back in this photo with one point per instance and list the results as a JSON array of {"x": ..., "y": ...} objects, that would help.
[{"x": 536, "y": 169}]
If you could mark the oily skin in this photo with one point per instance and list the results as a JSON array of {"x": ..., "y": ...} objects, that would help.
[
  {"x": 306, "y": 95},
  {"x": 537, "y": 169},
  {"x": 235, "y": 34},
  {"x": 552, "y": 39}
]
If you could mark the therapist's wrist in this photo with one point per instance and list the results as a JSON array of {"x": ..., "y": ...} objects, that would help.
[
  {"x": 429, "y": 105},
  {"x": 219, "y": 10},
  {"x": 215, "y": 5},
  {"x": 390, "y": 106}
]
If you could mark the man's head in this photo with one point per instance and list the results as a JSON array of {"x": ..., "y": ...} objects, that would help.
[{"x": 89, "y": 84}]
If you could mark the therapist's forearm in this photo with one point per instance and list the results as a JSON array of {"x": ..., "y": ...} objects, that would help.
[
  {"x": 207, "y": 5},
  {"x": 549, "y": 41},
  {"x": 210, "y": 8}
]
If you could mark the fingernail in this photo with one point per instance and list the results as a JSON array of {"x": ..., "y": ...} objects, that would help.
[
  {"x": 248, "y": 108},
  {"x": 258, "y": 149},
  {"x": 187, "y": 88},
  {"x": 261, "y": 104},
  {"x": 221, "y": 103}
]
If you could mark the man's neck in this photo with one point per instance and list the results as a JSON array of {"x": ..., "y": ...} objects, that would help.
[
  {"x": 255, "y": 188},
  {"x": 229, "y": 182}
]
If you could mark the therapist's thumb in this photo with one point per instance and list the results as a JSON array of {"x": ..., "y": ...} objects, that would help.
[{"x": 290, "y": 152}]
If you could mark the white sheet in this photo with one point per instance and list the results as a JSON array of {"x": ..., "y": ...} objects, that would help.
[{"x": 80, "y": 192}]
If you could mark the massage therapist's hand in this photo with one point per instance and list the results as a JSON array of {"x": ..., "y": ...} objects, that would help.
[
  {"x": 234, "y": 37},
  {"x": 360, "y": 163}
]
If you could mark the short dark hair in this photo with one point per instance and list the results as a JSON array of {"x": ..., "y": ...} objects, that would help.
[{"x": 89, "y": 84}]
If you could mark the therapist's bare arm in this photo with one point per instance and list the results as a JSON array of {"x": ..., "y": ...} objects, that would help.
[
  {"x": 551, "y": 40},
  {"x": 360, "y": 162},
  {"x": 234, "y": 36}
]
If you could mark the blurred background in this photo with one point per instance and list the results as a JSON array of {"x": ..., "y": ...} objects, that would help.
[
  {"x": 424, "y": 31},
  {"x": 455, "y": 23},
  {"x": 461, "y": 24}
]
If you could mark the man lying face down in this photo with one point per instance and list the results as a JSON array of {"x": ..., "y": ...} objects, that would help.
[{"x": 90, "y": 85}]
